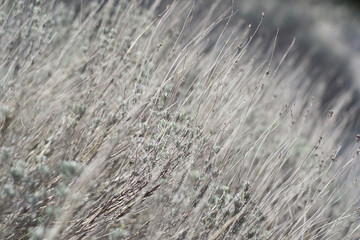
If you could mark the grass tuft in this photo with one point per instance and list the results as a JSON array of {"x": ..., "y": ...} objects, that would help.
[{"x": 120, "y": 121}]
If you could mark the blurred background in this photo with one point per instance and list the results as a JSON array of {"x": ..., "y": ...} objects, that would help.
[{"x": 327, "y": 38}]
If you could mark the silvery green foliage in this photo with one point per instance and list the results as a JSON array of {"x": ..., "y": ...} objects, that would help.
[{"x": 122, "y": 119}]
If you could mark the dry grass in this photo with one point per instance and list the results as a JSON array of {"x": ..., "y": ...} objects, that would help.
[{"x": 119, "y": 123}]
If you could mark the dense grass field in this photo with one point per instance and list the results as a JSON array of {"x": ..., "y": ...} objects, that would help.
[{"x": 131, "y": 120}]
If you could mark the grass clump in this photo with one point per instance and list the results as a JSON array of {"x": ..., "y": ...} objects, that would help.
[{"x": 129, "y": 124}]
